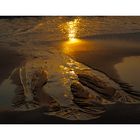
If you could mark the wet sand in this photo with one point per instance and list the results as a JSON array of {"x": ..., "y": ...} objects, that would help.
[
  {"x": 102, "y": 59},
  {"x": 109, "y": 49},
  {"x": 103, "y": 62},
  {"x": 126, "y": 114}
]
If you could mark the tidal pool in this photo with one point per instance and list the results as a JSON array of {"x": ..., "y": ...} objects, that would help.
[{"x": 129, "y": 71}]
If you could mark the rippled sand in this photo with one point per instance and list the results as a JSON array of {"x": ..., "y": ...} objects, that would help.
[{"x": 28, "y": 43}]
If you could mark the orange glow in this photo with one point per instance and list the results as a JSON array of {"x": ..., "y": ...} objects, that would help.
[
  {"x": 76, "y": 45},
  {"x": 73, "y": 41}
]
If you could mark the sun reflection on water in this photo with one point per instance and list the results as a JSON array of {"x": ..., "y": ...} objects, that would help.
[
  {"x": 73, "y": 43},
  {"x": 72, "y": 29},
  {"x": 77, "y": 45}
]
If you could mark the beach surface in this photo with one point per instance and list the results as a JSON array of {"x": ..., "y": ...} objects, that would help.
[{"x": 116, "y": 54}]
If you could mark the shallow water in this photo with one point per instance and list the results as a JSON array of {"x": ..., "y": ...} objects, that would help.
[
  {"x": 29, "y": 29},
  {"x": 129, "y": 71},
  {"x": 113, "y": 57}
]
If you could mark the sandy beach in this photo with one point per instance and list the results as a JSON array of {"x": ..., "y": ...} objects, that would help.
[
  {"x": 102, "y": 59},
  {"x": 26, "y": 57}
]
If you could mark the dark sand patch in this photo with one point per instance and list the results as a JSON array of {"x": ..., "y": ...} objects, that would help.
[
  {"x": 119, "y": 36},
  {"x": 116, "y": 114},
  {"x": 9, "y": 60}
]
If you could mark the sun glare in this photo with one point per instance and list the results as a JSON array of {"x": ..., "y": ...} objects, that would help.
[{"x": 72, "y": 29}]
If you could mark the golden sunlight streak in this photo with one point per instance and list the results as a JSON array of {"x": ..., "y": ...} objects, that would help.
[{"x": 72, "y": 29}]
